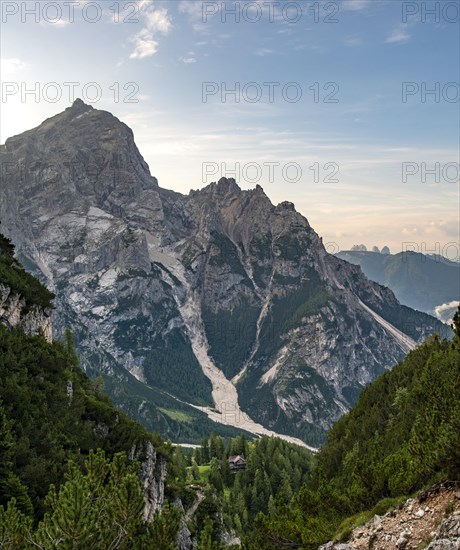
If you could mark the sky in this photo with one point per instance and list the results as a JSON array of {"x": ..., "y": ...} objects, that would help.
[{"x": 348, "y": 108}]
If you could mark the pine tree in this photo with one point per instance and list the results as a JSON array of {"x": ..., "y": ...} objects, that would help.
[
  {"x": 197, "y": 456},
  {"x": 456, "y": 324},
  {"x": 285, "y": 490},
  {"x": 215, "y": 476},
  {"x": 10, "y": 485},
  {"x": 205, "y": 456},
  {"x": 206, "y": 535},
  {"x": 101, "y": 509},
  {"x": 237, "y": 524},
  {"x": 195, "y": 472},
  {"x": 15, "y": 528},
  {"x": 271, "y": 507},
  {"x": 70, "y": 348}
]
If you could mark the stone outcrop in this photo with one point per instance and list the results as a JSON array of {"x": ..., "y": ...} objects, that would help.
[
  {"x": 14, "y": 313},
  {"x": 153, "y": 477},
  {"x": 431, "y": 520},
  {"x": 184, "y": 537},
  {"x": 447, "y": 536}
]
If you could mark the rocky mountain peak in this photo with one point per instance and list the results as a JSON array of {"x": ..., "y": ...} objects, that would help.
[
  {"x": 223, "y": 188},
  {"x": 285, "y": 206},
  {"x": 79, "y": 106},
  {"x": 216, "y": 297},
  {"x": 78, "y": 159},
  {"x": 228, "y": 185}
]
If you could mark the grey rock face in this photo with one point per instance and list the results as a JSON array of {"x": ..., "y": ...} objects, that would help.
[
  {"x": 13, "y": 314},
  {"x": 153, "y": 477},
  {"x": 331, "y": 546},
  {"x": 146, "y": 276},
  {"x": 184, "y": 537},
  {"x": 448, "y": 535},
  {"x": 407, "y": 528}
]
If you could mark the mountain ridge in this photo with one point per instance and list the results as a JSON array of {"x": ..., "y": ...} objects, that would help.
[
  {"x": 419, "y": 281},
  {"x": 186, "y": 292}
]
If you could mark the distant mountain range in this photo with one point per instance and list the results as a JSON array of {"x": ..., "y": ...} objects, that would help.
[
  {"x": 214, "y": 304},
  {"x": 429, "y": 283}
]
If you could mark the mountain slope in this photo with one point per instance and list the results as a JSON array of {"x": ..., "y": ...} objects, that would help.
[
  {"x": 217, "y": 298},
  {"x": 418, "y": 281},
  {"x": 403, "y": 435},
  {"x": 50, "y": 412}
]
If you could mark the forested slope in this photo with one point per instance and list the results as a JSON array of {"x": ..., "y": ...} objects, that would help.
[
  {"x": 74, "y": 471},
  {"x": 403, "y": 434}
]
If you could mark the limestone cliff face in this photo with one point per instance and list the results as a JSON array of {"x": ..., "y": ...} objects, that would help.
[
  {"x": 153, "y": 478},
  {"x": 15, "y": 314},
  {"x": 181, "y": 291}
]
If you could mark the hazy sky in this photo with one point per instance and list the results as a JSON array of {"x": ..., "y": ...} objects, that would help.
[{"x": 332, "y": 108}]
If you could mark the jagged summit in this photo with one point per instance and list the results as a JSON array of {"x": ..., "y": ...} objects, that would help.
[
  {"x": 79, "y": 158},
  {"x": 225, "y": 186},
  {"x": 80, "y": 106},
  {"x": 218, "y": 297},
  {"x": 228, "y": 184},
  {"x": 286, "y": 205},
  {"x": 80, "y": 103}
]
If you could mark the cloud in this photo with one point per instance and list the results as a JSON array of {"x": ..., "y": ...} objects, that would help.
[
  {"x": 145, "y": 45},
  {"x": 12, "y": 66},
  {"x": 353, "y": 41},
  {"x": 58, "y": 23},
  {"x": 193, "y": 8},
  {"x": 445, "y": 312},
  {"x": 354, "y": 5},
  {"x": 155, "y": 21},
  {"x": 399, "y": 35},
  {"x": 263, "y": 51},
  {"x": 189, "y": 58}
]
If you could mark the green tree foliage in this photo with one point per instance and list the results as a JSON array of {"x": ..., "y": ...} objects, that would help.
[
  {"x": 275, "y": 470},
  {"x": 99, "y": 509},
  {"x": 53, "y": 413},
  {"x": 215, "y": 476},
  {"x": 10, "y": 484},
  {"x": 6, "y": 247},
  {"x": 19, "y": 281},
  {"x": 206, "y": 542},
  {"x": 403, "y": 434}
]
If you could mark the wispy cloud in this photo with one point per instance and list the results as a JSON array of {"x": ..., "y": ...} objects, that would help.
[
  {"x": 155, "y": 21},
  {"x": 194, "y": 8},
  {"x": 12, "y": 66},
  {"x": 189, "y": 59},
  {"x": 353, "y": 41},
  {"x": 399, "y": 35},
  {"x": 355, "y": 5},
  {"x": 263, "y": 51},
  {"x": 57, "y": 23}
]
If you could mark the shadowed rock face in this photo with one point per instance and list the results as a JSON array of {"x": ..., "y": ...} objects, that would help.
[
  {"x": 14, "y": 313},
  {"x": 143, "y": 275}
]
